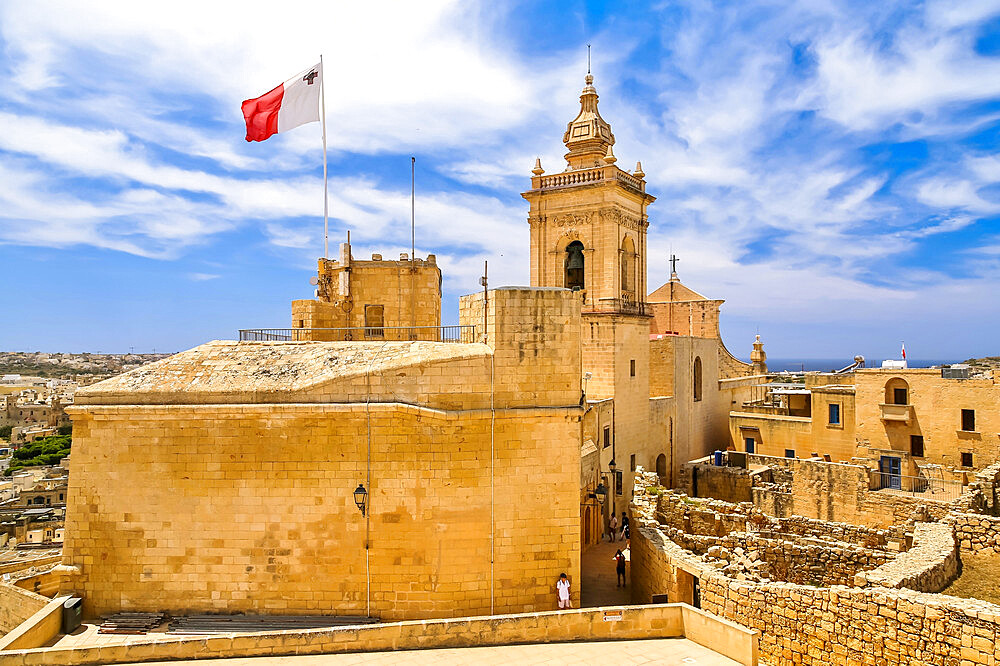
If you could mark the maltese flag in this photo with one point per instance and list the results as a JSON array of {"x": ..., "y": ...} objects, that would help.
[
  {"x": 904, "y": 351},
  {"x": 295, "y": 102}
]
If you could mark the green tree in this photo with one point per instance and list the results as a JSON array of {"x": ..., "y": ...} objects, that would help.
[{"x": 5, "y": 431}]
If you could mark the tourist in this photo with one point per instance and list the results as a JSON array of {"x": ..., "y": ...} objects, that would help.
[
  {"x": 620, "y": 568},
  {"x": 625, "y": 533},
  {"x": 614, "y": 527},
  {"x": 562, "y": 591}
]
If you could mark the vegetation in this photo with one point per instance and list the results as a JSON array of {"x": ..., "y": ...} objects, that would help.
[
  {"x": 45, "y": 451},
  {"x": 5, "y": 432},
  {"x": 65, "y": 429}
]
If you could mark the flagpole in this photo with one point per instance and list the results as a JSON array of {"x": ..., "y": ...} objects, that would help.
[{"x": 326, "y": 196}]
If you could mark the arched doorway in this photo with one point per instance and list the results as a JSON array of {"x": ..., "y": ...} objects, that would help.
[
  {"x": 661, "y": 468},
  {"x": 587, "y": 520}
]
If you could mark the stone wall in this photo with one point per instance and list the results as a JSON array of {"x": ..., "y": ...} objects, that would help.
[
  {"x": 222, "y": 479},
  {"x": 930, "y": 565},
  {"x": 636, "y": 622},
  {"x": 976, "y": 534},
  {"x": 17, "y": 605},
  {"x": 802, "y": 624}
]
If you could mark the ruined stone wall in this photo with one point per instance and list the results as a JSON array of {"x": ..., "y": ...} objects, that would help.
[
  {"x": 930, "y": 565},
  {"x": 816, "y": 626},
  {"x": 977, "y": 534}
]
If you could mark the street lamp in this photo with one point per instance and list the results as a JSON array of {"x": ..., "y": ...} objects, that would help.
[
  {"x": 361, "y": 497},
  {"x": 600, "y": 494}
]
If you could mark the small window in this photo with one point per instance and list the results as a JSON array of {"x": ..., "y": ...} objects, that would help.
[
  {"x": 619, "y": 482},
  {"x": 789, "y": 453},
  {"x": 899, "y": 396},
  {"x": 631, "y": 368},
  {"x": 697, "y": 378},
  {"x": 969, "y": 421},
  {"x": 374, "y": 321},
  {"x": 749, "y": 443},
  {"x": 607, "y": 436},
  {"x": 966, "y": 459},
  {"x": 632, "y": 462},
  {"x": 917, "y": 446},
  {"x": 834, "y": 414}
]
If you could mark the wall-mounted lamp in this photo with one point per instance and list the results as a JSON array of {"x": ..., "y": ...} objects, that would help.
[
  {"x": 600, "y": 493},
  {"x": 361, "y": 497}
]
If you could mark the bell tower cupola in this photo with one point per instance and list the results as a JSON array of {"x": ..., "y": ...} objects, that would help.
[
  {"x": 588, "y": 221},
  {"x": 588, "y": 136}
]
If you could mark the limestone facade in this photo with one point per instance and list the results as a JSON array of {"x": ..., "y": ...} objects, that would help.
[
  {"x": 221, "y": 479},
  {"x": 374, "y": 297},
  {"x": 929, "y": 425}
]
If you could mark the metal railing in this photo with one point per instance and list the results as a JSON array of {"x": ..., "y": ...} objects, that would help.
[
  {"x": 624, "y": 305},
  {"x": 464, "y": 334},
  {"x": 932, "y": 489}
]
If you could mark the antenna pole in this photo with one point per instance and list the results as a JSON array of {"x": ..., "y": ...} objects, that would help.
[
  {"x": 588, "y": 58},
  {"x": 326, "y": 196},
  {"x": 413, "y": 247}
]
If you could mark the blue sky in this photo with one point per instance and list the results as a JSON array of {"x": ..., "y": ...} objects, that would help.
[{"x": 828, "y": 168}]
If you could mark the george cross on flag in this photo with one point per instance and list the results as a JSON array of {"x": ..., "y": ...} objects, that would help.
[{"x": 294, "y": 102}]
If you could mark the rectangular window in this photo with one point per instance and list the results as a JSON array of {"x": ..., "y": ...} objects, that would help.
[
  {"x": 789, "y": 453},
  {"x": 631, "y": 462},
  {"x": 631, "y": 368},
  {"x": 750, "y": 443},
  {"x": 899, "y": 396},
  {"x": 607, "y": 436},
  {"x": 619, "y": 482},
  {"x": 969, "y": 420},
  {"x": 917, "y": 446},
  {"x": 374, "y": 321},
  {"x": 966, "y": 459},
  {"x": 834, "y": 414}
]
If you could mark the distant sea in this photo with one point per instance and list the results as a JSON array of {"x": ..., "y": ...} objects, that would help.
[{"x": 828, "y": 364}]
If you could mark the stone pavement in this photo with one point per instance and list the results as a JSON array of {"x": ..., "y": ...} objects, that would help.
[
  {"x": 669, "y": 651},
  {"x": 597, "y": 568}
]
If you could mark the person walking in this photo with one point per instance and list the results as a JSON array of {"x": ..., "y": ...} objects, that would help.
[
  {"x": 620, "y": 568},
  {"x": 614, "y": 528},
  {"x": 625, "y": 532},
  {"x": 562, "y": 591}
]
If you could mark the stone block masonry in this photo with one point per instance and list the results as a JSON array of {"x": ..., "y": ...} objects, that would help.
[{"x": 222, "y": 479}]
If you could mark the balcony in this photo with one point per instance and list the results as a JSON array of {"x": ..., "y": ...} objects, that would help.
[{"x": 896, "y": 413}]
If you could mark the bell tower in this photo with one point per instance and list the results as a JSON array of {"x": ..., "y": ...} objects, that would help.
[
  {"x": 588, "y": 222},
  {"x": 588, "y": 233}
]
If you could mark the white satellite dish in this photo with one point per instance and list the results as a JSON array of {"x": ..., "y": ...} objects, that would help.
[{"x": 314, "y": 280}]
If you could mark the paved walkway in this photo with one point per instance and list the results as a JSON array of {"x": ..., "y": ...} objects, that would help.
[
  {"x": 597, "y": 568},
  {"x": 669, "y": 651}
]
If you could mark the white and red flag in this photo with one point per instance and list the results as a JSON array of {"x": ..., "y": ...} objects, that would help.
[
  {"x": 904, "y": 350},
  {"x": 294, "y": 102}
]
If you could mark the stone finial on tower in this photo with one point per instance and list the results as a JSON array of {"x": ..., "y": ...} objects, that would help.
[
  {"x": 758, "y": 359},
  {"x": 587, "y": 136},
  {"x": 538, "y": 170},
  {"x": 639, "y": 173},
  {"x": 609, "y": 157}
]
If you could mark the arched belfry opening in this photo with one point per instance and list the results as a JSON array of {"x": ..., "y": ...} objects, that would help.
[
  {"x": 626, "y": 261},
  {"x": 574, "y": 265}
]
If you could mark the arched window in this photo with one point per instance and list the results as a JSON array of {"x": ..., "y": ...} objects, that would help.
[
  {"x": 661, "y": 468},
  {"x": 574, "y": 265},
  {"x": 897, "y": 392},
  {"x": 697, "y": 378},
  {"x": 626, "y": 261}
]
